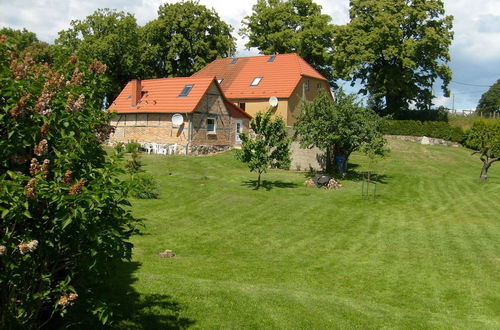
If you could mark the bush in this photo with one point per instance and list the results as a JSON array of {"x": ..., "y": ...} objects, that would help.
[
  {"x": 119, "y": 147},
  {"x": 435, "y": 129},
  {"x": 421, "y": 115},
  {"x": 134, "y": 165},
  {"x": 144, "y": 186},
  {"x": 132, "y": 147},
  {"x": 63, "y": 220}
]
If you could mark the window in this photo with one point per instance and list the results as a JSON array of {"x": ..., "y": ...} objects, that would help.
[
  {"x": 306, "y": 85},
  {"x": 242, "y": 106},
  {"x": 220, "y": 80},
  {"x": 211, "y": 125},
  {"x": 318, "y": 86},
  {"x": 271, "y": 58},
  {"x": 234, "y": 60},
  {"x": 185, "y": 91},
  {"x": 256, "y": 81}
]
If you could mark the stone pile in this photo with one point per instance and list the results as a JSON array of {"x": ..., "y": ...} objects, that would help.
[
  {"x": 331, "y": 185},
  {"x": 167, "y": 254}
]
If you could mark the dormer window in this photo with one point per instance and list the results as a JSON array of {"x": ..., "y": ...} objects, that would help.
[
  {"x": 185, "y": 91},
  {"x": 234, "y": 60},
  {"x": 271, "y": 58},
  {"x": 256, "y": 81}
]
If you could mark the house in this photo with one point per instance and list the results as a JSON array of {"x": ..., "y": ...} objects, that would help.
[
  {"x": 254, "y": 83},
  {"x": 184, "y": 115}
]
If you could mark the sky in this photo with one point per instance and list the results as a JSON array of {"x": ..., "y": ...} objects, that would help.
[{"x": 475, "y": 50}]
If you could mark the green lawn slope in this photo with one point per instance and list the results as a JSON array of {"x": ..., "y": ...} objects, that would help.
[{"x": 424, "y": 254}]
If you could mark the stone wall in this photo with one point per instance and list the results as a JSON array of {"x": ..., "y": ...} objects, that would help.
[{"x": 424, "y": 140}]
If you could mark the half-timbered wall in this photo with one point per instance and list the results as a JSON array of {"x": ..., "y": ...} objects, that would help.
[{"x": 157, "y": 128}]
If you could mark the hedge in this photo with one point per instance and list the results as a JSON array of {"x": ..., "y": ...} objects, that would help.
[
  {"x": 422, "y": 115},
  {"x": 435, "y": 129}
]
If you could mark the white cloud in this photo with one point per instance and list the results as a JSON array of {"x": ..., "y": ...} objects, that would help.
[{"x": 475, "y": 49}]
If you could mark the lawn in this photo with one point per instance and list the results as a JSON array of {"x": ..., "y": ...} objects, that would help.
[{"x": 424, "y": 254}]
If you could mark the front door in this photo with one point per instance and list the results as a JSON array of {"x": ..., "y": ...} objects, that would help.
[{"x": 238, "y": 130}]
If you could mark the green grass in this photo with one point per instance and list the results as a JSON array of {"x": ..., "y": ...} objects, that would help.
[{"x": 424, "y": 254}]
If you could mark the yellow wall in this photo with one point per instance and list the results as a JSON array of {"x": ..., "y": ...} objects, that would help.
[
  {"x": 300, "y": 93},
  {"x": 287, "y": 108},
  {"x": 252, "y": 106}
]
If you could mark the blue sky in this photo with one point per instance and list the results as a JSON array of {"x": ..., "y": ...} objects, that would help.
[{"x": 475, "y": 50}]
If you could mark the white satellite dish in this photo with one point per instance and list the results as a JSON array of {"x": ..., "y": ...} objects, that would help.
[
  {"x": 177, "y": 119},
  {"x": 273, "y": 101}
]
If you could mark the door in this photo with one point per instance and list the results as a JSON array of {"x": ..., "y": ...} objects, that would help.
[{"x": 238, "y": 130}]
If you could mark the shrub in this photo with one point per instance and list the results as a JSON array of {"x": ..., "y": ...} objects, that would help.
[
  {"x": 435, "y": 129},
  {"x": 144, "y": 186},
  {"x": 132, "y": 147},
  {"x": 119, "y": 147},
  {"x": 63, "y": 223},
  {"x": 421, "y": 115},
  {"x": 134, "y": 165}
]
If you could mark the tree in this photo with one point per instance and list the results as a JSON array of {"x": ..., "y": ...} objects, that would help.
[
  {"x": 339, "y": 127},
  {"x": 396, "y": 49},
  {"x": 184, "y": 38},
  {"x": 108, "y": 36},
  {"x": 64, "y": 221},
  {"x": 484, "y": 137},
  {"x": 291, "y": 26},
  {"x": 490, "y": 100},
  {"x": 24, "y": 42},
  {"x": 268, "y": 145}
]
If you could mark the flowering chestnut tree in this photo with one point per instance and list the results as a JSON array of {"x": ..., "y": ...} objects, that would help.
[{"x": 63, "y": 220}]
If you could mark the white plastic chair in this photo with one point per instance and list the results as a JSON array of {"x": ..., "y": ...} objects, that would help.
[{"x": 172, "y": 149}]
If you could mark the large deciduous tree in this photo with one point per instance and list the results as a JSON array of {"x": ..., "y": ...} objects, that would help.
[
  {"x": 291, "y": 26},
  {"x": 109, "y": 36},
  {"x": 490, "y": 100},
  {"x": 339, "y": 127},
  {"x": 397, "y": 49},
  {"x": 184, "y": 38},
  {"x": 268, "y": 145},
  {"x": 484, "y": 137},
  {"x": 24, "y": 42}
]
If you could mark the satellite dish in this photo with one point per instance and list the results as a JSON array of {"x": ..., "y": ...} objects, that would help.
[
  {"x": 177, "y": 119},
  {"x": 273, "y": 101}
]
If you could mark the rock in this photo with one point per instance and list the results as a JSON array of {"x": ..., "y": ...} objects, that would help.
[
  {"x": 310, "y": 183},
  {"x": 425, "y": 140},
  {"x": 167, "y": 254}
]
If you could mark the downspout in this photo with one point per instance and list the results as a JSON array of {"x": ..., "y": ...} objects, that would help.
[{"x": 190, "y": 132}]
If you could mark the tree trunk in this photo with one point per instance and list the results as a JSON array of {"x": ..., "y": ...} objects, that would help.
[
  {"x": 258, "y": 180},
  {"x": 330, "y": 160},
  {"x": 484, "y": 171},
  {"x": 486, "y": 166}
]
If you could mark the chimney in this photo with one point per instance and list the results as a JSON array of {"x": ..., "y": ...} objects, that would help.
[{"x": 136, "y": 91}]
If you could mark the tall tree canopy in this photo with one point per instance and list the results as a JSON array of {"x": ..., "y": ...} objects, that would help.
[
  {"x": 397, "y": 49},
  {"x": 109, "y": 36},
  {"x": 291, "y": 26},
  {"x": 184, "y": 38},
  {"x": 490, "y": 101},
  {"x": 24, "y": 41}
]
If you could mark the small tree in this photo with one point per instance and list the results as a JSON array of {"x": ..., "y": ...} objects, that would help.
[
  {"x": 339, "y": 127},
  {"x": 268, "y": 146},
  {"x": 484, "y": 137}
]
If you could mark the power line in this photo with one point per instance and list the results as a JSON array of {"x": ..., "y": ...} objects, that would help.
[{"x": 461, "y": 83}]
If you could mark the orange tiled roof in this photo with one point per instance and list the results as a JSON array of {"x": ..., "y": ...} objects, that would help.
[
  {"x": 279, "y": 77},
  {"x": 162, "y": 95}
]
